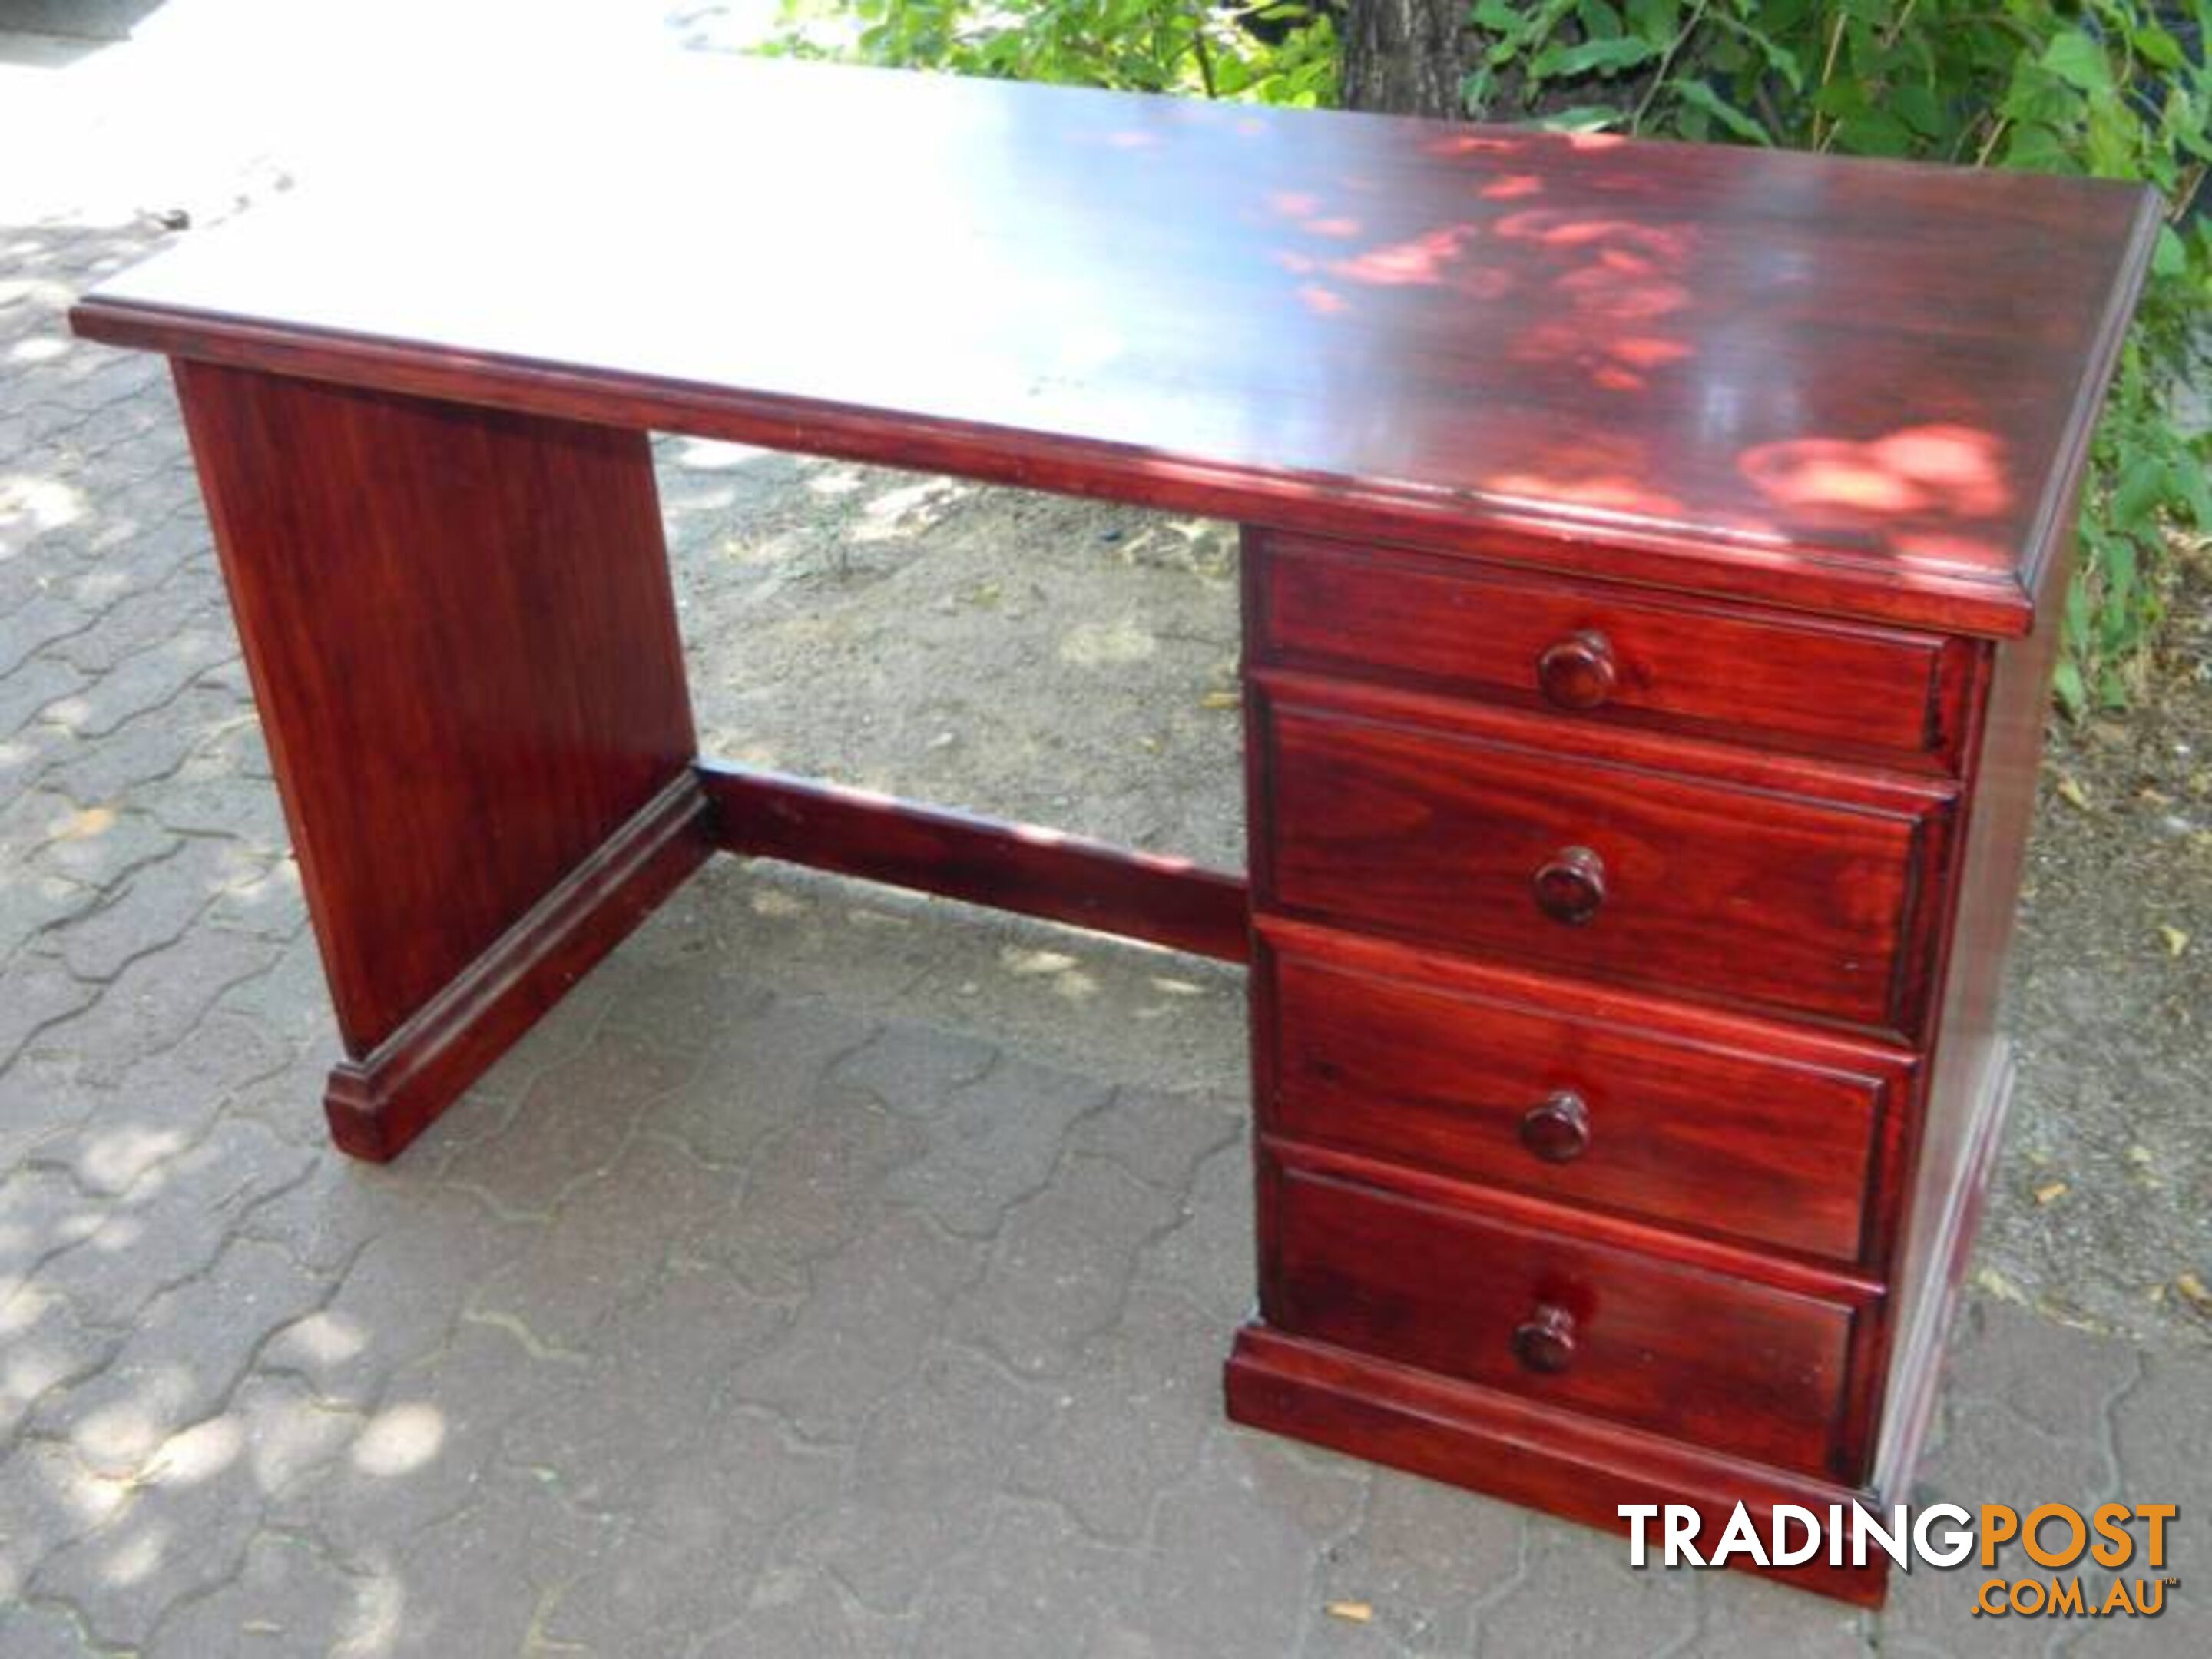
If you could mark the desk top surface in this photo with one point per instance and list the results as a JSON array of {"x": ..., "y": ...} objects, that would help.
[{"x": 1850, "y": 385}]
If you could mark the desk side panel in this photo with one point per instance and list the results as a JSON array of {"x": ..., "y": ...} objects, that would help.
[
  {"x": 1970, "y": 1080},
  {"x": 463, "y": 643}
]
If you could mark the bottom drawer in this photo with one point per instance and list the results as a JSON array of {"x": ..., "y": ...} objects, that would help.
[{"x": 1739, "y": 1367}]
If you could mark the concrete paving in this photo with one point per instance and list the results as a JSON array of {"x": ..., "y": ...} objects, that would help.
[{"x": 833, "y": 1272}]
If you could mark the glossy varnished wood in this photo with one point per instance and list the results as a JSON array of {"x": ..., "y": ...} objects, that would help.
[
  {"x": 1748, "y": 1131},
  {"x": 1007, "y": 866},
  {"x": 1970, "y": 1086},
  {"x": 1851, "y": 387},
  {"x": 1606, "y": 652},
  {"x": 379, "y": 1101},
  {"x": 1524, "y": 1450},
  {"x": 1626, "y": 866},
  {"x": 462, "y": 642},
  {"x": 1741, "y": 1368}
]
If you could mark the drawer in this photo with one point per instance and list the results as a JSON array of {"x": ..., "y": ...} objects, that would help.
[
  {"x": 1758, "y": 1136},
  {"x": 1601, "y": 652},
  {"x": 1742, "y": 1368},
  {"x": 1691, "y": 885}
]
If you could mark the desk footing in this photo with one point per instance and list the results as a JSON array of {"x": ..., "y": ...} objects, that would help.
[
  {"x": 1492, "y": 1443},
  {"x": 377, "y": 1104}
]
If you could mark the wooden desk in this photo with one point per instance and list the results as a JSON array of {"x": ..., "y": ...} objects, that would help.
[{"x": 1651, "y": 562}]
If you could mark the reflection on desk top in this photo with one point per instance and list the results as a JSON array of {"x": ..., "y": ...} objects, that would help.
[{"x": 1849, "y": 386}]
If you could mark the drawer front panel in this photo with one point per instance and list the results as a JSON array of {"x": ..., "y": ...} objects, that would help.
[
  {"x": 1689, "y": 885},
  {"x": 1722, "y": 1140},
  {"x": 1742, "y": 1368},
  {"x": 1603, "y": 653}
]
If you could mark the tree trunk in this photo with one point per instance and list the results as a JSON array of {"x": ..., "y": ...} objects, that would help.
[{"x": 1402, "y": 57}]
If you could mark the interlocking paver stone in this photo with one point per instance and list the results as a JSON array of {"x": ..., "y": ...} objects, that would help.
[
  {"x": 1617, "y": 1610},
  {"x": 861, "y": 1334},
  {"x": 168, "y": 1225},
  {"x": 994, "y": 1142},
  {"x": 922, "y": 1475},
  {"x": 1254, "y": 1512},
  {"x": 1061, "y": 1266},
  {"x": 1421, "y": 1558},
  {"x": 1029, "y": 1584},
  {"x": 1128, "y": 1417},
  {"x": 1157, "y": 1135},
  {"x": 285, "y": 1597},
  {"x": 697, "y": 1537}
]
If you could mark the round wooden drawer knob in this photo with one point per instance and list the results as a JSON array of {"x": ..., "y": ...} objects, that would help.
[
  {"x": 1545, "y": 1341},
  {"x": 1570, "y": 885},
  {"x": 1578, "y": 671},
  {"x": 1558, "y": 1130}
]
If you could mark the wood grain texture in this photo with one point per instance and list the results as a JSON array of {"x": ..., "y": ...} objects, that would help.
[
  {"x": 1005, "y": 867},
  {"x": 1797, "y": 903},
  {"x": 1943, "y": 1242},
  {"x": 1463, "y": 628},
  {"x": 378, "y": 1103},
  {"x": 1736, "y": 371},
  {"x": 1753, "y": 1134},
  {"x": 1523, "y": 1450},
  {"x": 459, "y": 625},
  {"x": 1950, "y": 1153},
  {"x": 1741, "y": 1368}
]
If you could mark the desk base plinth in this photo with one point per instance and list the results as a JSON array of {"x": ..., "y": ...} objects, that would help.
[
  {"x": 378, "y": 1103},
  {"x": 1492, "y": 1443}
]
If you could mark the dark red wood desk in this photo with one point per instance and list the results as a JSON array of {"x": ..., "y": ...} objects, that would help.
[{"x": 1651, "y": 562}]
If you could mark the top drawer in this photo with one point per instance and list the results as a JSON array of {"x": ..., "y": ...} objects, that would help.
[{"x": 1604, "y": 653}]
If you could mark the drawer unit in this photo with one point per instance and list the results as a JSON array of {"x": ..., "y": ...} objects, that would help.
[
  {"x": 1760, "y": 1135},
  {"x": 1597, "y": 651},
  {"x": 1614, "y": 868},
  {"x": 1623, "y": 1059},
  {"x": 1741, "y": 1368}
]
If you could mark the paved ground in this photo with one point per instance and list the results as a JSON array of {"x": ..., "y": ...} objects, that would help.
[{"x": 833, "y": 1272}]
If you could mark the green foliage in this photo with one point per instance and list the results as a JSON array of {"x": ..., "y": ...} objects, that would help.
[
  {"x": 1277, "y": 52},
  {"x": 2114, "y": 88}
]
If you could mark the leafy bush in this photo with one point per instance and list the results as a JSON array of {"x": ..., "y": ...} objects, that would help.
[
  {"x": 2116, "y": 88},
  {"x": 1277, "y": 52}
]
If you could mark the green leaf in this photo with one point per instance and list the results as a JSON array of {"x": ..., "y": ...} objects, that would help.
[
  {"x": 1583, "y": 117},
  {"x": 1599, "y": 20},
  {"x": 1841, "y": 98},
  {"x": 1778, "y": 57},
  {"x": 2157, "y": 47},
  {"x": 2119, "y": 611},
  {"x": 2141, "y": 489},
  {"x": 2038, "y": 149},
  {"x": 2192, "y": 488},
  {"x": 1874, "y": 132},
  {"x": 2073, "y": 696},
  {"x": 1599, "y": 58},
  {"x": 1697, "y": 95},
  {"x": 2079, "y": 61},
  {"x": 1499, "y": 16},
  {"x": 2036, "y": 95},
  {"x": 1919, "y": 109},
  {"x": 2170, "y": 258}
]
